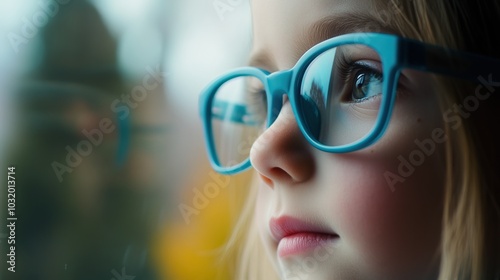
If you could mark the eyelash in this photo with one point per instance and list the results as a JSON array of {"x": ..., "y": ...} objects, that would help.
[
  {"x": 348, "y": 73},
  {"x": 257, "y": 99},
  {"x": 350, "y": 69}
]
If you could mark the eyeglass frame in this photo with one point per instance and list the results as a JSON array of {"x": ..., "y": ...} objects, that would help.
[{"x": 395, "y": 52}]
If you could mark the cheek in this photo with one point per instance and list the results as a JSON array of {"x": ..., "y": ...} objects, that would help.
[
  {"x": 393, "y": 229},
  {"x": 393, "y": 223}
]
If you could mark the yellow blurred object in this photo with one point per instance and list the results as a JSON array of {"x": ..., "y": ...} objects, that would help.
[{"x": 189, "y": 248}]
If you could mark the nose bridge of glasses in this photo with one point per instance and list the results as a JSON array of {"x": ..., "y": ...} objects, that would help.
[{"x": 279, "y": 84}]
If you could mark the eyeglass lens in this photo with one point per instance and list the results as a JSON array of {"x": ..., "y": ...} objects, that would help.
[{"x": 337, "y": 103}]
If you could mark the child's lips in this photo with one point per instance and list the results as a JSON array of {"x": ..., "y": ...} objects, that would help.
[{"x": 295, "y": 236}]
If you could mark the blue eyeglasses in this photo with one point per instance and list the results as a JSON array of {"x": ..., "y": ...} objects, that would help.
[{"x": 342, "y": 92}]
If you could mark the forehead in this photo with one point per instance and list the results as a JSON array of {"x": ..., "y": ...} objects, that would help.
[{"x": 284, "y": 29}]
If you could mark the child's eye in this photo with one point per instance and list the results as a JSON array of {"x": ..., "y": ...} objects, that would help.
[
  {"x": 360, "y": 80},
  {"x": 367, "y": 83},
  {"x": 256, "y": 103}
]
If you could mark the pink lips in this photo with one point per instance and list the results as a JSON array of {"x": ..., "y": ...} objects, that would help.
[{"x": 295, "y": 236}]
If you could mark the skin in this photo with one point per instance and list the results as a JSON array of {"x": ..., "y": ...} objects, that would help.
[{"x": 383, "y": 233}]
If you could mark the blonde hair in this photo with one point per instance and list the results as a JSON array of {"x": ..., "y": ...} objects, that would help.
[
  {"x": 467, "y": 205},
  {"x": 471, "y": 212}
]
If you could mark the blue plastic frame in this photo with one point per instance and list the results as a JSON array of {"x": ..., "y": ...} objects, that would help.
[{"x": 396, "y": 53}]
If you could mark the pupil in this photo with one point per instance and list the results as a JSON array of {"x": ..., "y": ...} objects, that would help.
[{"x": 360, "y": 83}]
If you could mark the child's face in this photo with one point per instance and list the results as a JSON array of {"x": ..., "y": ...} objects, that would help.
[{"x": 340, "y": 217}]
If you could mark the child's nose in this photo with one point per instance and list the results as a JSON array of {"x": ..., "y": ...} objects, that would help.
[{"x": 281, "y": 155}]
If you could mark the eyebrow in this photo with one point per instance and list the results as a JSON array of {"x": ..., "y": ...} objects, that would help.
[
  {"x": 344, "y": 23},
  {"x": 326, "y": 28}
]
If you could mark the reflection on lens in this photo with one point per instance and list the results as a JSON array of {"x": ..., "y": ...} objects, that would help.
[
  {"x": 340, "y": 95},
  {"x": 239, "y": 111}
]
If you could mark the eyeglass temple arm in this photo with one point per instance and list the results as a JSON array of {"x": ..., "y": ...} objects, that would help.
[{"x": 454, "y": 63}]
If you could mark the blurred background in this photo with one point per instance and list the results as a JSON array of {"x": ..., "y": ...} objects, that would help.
[{"x": 99, "y": 118}]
